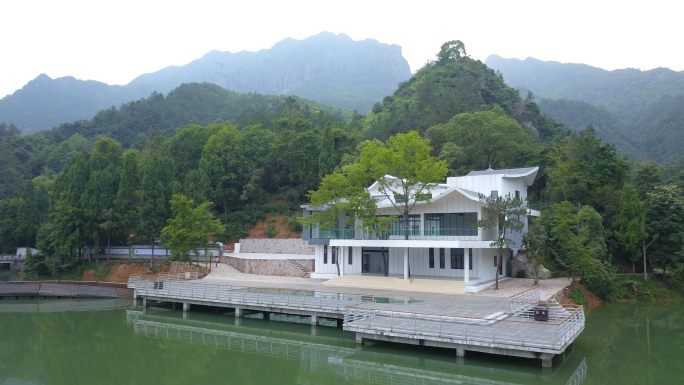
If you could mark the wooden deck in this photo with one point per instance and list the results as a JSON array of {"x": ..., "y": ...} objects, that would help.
[{"x": 503, "y": 326}]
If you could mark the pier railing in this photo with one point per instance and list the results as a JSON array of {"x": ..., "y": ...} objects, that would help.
[
  {"x": 244, "y": 295},
  {"x": 500, "y": 330},
  {"x": 164, "y": 277}
]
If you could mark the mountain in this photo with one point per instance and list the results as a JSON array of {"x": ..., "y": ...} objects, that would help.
[
  {"x": 440, "y": 90},
  {"x": 330, "y": 69},
  {"x": 637, "y": 111},
  {"x": 621, "y": 91},
  {"x": 190, "y": 103}
]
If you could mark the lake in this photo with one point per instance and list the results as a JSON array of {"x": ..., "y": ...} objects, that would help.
[{"x": 115, "y": 342}]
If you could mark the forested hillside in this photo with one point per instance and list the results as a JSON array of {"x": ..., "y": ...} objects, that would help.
[
  {"x": 331, "y": 69},
  {"x": 444, "y": 88},
  {"x": 632, "y": 109},
  {"x": 249, "y": 155}
]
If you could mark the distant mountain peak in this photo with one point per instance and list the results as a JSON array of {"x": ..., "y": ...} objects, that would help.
[{"x": 329, "y": 68}]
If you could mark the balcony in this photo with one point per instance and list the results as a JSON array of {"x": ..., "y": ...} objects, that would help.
[{"x": 447, "y": 234}]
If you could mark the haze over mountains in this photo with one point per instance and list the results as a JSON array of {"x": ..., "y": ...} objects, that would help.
[
  {"x": 640, "y": 112},
  {"x": 327, "y": 68}
]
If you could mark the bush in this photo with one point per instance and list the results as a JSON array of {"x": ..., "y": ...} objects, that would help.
[
  {"x": 293, "y": 224},
  {"x": 270, "y": 231},
  {"x": 578, "y": 296},
  {"x": 603, "y": 285},
  {"x": 675, "y": 281}
]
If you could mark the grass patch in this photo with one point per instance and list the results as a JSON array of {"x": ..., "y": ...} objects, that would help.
[{"x": 577, "y": 296}]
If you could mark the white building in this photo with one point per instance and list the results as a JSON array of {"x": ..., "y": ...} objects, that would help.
[{"x": 443, "y": 238}]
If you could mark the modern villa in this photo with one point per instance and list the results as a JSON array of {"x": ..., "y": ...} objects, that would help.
[{"x": 444, "y": 240}]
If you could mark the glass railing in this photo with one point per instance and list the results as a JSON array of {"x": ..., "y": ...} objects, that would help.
[{"x": 437, "y": 233}]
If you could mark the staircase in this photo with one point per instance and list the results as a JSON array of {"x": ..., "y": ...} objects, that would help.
[
  {"x": 423, "y": 285},
  {"x": 302, "y": 268}
]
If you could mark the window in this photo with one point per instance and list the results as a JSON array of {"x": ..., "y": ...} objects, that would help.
[
  {"x": 432, "y": 258},
  {"x": 494, "y": 194},
  {"x": 457, "y": 259},
  {"x": 453, "y": 224},
  {"x": 349, "y": 256},
  {"x": 325, "y": 254},
  {"x": 517, "y": 194},
  {"x": 334, "y": 255},
  {"x": 398, "y": 225},
  {"x": 442, "y": 261},
  {"x": 495, "y": 261}
]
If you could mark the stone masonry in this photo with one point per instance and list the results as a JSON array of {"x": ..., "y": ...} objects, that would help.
[
  {"x": 279, "y": 267},
  {"x": 276, "y": 246}
]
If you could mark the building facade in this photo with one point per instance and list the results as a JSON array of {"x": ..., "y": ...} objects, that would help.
[{"x": 444, "y": 240}]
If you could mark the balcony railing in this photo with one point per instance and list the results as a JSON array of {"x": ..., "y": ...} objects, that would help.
[{"x": 427, "y": 234}]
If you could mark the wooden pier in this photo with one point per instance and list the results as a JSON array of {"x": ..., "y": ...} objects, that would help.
[{"x": 504, "y": 326}]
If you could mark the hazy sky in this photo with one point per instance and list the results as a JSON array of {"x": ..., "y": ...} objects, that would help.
[{"x": 115, "y": 41}]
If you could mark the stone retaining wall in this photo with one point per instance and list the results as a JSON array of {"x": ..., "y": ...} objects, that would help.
[
  {"x": 182, "y": 267},
  {"x": 276, "y": 246},
  {"x": 279, "y": 267}
]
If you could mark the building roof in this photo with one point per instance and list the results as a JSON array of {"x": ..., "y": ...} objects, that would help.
[{"x": 507, "y": 172}]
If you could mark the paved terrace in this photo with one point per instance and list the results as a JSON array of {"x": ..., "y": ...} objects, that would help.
[{"x": 490, "y": 321}]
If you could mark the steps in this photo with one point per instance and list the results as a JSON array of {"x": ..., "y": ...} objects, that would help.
[
  {"x": 423, "y": 285},
  {"x": 302, "y": 268}
]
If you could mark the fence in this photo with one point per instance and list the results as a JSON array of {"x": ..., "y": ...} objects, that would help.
[
  {"x": 499, "y": 330},
  {"x": 244, "y": 295}
]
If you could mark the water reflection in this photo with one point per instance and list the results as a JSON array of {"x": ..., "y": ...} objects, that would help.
[
  {"x": 60, "y": 305},
  {"x": 331, "y": 354}
]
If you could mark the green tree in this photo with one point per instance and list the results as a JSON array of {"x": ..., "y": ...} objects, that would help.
[
  {"x": 632, "y": 234},
  {"x": 664, "y": 218},
  {"x": 406, "y": 158},
  {"x": 536, "y": 247},
  {"x": 127, "y": 195},
  {"x": 451, "y": 50},
  {"x": 486, "y": 139},
  {"x": 342, "y": 204},
  {"x": 223, "y": 162},
  {"x": 155, "y": 196},
  {"x": 578, "y": 240},
  {"x": 191, "y": 227},
  {"x": 502, "y": 214},
  {"x": 646, "y": 176},
  {"x": 97, "y": 200}
]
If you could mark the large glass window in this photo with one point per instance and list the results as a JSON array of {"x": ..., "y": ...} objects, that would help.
[
  {"x": 442, "y": 259},
  {"x": 432, "y": 258},
  {"x": 454, "y": 224},
  {"x": 398, "y": 225}
]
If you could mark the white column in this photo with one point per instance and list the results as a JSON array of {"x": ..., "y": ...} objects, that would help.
[
  {"x": 406, "y": 263},
  {"x": 341, "y": 254},
  {"x": 466, "y": 264}
]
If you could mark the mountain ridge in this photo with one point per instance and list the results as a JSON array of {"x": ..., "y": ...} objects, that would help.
[{"x": 328, "y": 68}]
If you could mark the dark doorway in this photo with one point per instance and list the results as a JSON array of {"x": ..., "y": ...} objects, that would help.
[{"x": 371, "y": 261}]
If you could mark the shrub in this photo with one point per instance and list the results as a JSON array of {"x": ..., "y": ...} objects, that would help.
[
  {"x": 294, "y": 224},
  {"x": 578, "y": 296},
  {"x": 603, "y": 285},
  {"x": 270, "y": 231}
]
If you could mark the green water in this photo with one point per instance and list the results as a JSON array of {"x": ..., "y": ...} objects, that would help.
[{"x": 64, "y": 342}]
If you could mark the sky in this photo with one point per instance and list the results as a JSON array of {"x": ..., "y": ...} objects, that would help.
[{"x": 116, "y": 41}]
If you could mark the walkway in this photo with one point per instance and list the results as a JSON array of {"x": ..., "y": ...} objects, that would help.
[{"x": 494, "y": 321}]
